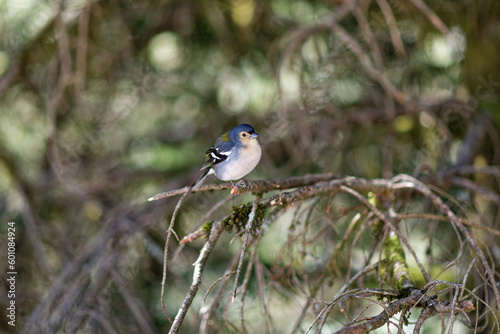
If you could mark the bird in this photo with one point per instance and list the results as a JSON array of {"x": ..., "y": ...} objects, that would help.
[{"x": 234, "y": 154}]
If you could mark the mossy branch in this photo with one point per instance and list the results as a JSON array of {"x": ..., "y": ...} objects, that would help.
[{"x": 396, "y": 262}]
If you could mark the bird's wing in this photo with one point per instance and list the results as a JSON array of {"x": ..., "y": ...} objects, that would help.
[{"x": 216, "y": 154}]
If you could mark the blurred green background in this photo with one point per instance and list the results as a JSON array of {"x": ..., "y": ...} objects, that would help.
[{"x": 105, "y": 103}]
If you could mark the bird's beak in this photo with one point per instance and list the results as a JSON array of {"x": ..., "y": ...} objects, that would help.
[{"x": 253, "y": 136}]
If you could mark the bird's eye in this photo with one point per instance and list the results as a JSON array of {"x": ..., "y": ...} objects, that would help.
[{"x": 243, "y": 134}]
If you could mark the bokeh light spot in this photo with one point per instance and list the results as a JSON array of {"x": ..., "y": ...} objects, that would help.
[
  {"x": 426, "y": 119},
  {"x": 403, "y": 123},
  {"x": 231, "y": 93},
  {"x": 345, "y": 92},
  {"x": 243, "y": 11},
  {"x": 444, "y": 51},
  {"x": 164, "y": 52},
  {"x": 290, "y": 84}
]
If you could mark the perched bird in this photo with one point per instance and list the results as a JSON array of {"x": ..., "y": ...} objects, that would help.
[{"x": 234, "y": 154}]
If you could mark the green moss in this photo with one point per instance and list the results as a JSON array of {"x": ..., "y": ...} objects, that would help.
[
  {"x": 396, "y": 262},
  {"x": 239, "y": 218},
  {"x": 207, "y": 227}
]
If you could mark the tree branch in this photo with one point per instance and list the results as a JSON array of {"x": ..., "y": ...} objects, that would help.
[
  {"x": 199, "y": 265},
  {"x": 260, "y": 186},
  {"x": 417, "y": 298}
]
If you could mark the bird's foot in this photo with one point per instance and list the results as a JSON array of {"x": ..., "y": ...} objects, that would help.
[
  {"x": 246, "y": 183},
  {"x": 236, "y": 187}
]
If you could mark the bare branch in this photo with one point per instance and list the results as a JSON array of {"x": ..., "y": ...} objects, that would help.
[
  {"x": 435, "y": 20},
  {"x": 260, "y": 186},
  {"x": 199, "y": 265},
  {"x": 251, "y": 218},
  {"x": 477, "y": 189},
  {"x": 367, "y": 64},
  {"x": 416, "y": 297},
  {"x": 170, "y": 231},
  {"x": 393, "y": 28},
  {"x": 419, "y": 186}
]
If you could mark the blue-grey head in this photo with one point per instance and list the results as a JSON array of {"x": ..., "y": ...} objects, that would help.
[{"x": 242, "y": 134}]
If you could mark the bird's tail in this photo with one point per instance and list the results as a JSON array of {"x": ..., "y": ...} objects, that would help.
[{"x": 206, "y": 172}]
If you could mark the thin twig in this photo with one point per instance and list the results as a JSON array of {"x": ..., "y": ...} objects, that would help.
[
  {"x": 420, "y": 187},
  {"x": 390, "y": 223},
  {"x": 430, "y": 216},
  {"x": 341, "y": 292},
  {"x": 199, "y": 266},
  {"x": 134, "y": 304},
  {"x": 207, "y": 311},
  {"x": 368, "y": 36},
  {"x": 435, "y": 20},
  {"x": 415, "y": 297},
  {"x": 248, "y": 227},
  {"x": 170, "y": 231},
  {"x": 367, "y": 64},
  {"x": 195, "y": 234},
  {"x": 476, "y": 188},
  {"x": 266, "y": 315},
  {"x": 81, "y": 51},
  {"x": 393, "y": 27}
]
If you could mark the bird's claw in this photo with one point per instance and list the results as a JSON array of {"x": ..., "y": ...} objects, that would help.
[{"x": 236, "y": 187}]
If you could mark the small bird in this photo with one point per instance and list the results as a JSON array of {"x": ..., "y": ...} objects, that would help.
[{"x": 234, "y": 154}]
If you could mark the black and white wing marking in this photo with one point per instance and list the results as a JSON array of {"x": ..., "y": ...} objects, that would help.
[{"x": 216, "y": 154}]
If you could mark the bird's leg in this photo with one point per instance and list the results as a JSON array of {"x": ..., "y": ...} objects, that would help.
[
  {"x": 246, "y": 183},
  {"x": 235, "y": 186}
]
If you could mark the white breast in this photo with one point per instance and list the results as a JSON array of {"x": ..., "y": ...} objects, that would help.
[{"x": 237, "y": 166}]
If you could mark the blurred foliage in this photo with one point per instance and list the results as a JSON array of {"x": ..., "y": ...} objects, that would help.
[{"x": 105, "y": 103}]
